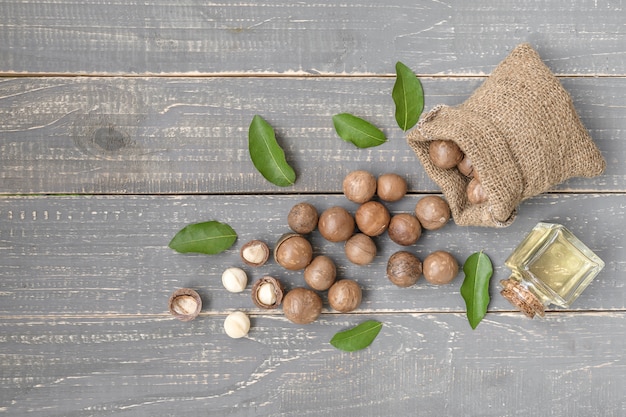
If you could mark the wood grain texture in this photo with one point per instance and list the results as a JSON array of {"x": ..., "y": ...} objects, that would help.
[
  {"x": 95, "y": 256},
  {"x": 421, "y": 364},
  {"x": 325, "y": 37},
  {"x": 182, "y": 136}
]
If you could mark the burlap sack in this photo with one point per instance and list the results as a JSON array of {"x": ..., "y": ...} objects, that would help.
[{"x": 522, "y": 134}]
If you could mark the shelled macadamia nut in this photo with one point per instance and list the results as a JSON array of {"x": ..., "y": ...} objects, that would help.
[
  {"x": 433, "y": 212},
  {"x": 372, "y": 218},
  {"x": 345, "y": 295},
  {"x": 302, "y": 218},
  {"x": 391, "y": 187},
  {"x": 360, "y": 249},
  {"x": 404, "y": 229},
  {"x": 321, "y": 273},
  {"x": 237, "y": 324},
  {"x": 359, "y": 186},
  {"x": 234, "y": 279},
  {"x": 336, "y": 224},
  {"x": 440, "y": 268}
]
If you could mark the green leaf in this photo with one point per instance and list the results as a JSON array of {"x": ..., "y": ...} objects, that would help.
[
  {"x": 358, "y": 337},
  {"x": 408, "y": 96},
  {"x": 267, "y": 155},
  {"x": 475, "y": 288},
  {"x": 208, "y": 237},
  {"x": 361, "y": 133}
]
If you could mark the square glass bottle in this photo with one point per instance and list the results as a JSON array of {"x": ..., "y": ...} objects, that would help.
[{"x": 550, "y": 266}]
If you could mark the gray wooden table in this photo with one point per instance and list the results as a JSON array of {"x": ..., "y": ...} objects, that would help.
[{"x": 85, "y": 219}]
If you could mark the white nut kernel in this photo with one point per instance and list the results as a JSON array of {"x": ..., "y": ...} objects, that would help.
[
  {"x": 237, "y": 324},
  {"x": 266, "y": 294},
  {"x": 234, "y": 279}
]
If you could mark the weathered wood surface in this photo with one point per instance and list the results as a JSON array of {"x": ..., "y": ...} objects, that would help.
[
  {"x": 121, "y": 122},
  {"x": 325, "y": 37},
  {"x": 173, "y": 136}
]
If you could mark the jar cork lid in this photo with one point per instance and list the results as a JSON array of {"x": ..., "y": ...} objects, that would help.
[{"x": 522, "y": 298}]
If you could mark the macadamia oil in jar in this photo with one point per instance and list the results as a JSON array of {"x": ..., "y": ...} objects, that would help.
[{"x": 550, "y": 266}]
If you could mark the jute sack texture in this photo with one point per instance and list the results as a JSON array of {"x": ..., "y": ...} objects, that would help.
[{"x": 522, "y": 134}]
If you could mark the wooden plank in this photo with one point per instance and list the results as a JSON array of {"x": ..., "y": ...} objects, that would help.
[
  {"x": 420, "y": 364},
  {"x": 179, "y": 136},
  {"x": 186, "y": 37},
  {"x": 100, "y": 256}
]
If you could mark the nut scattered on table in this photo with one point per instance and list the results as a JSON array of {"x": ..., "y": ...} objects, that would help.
[
  {"x": 440, "y": 268},
  {"x": 391, "y": 187},
  {"x": 404, "y": 269},
  {"x": 293, "y": 252},
  {"x": 404, "y": 229},
  {"x": 372, "y": 218},
  {"x": 321, "y": 273},
  {"x": 302, "y": 305},
  {"x": 302, "y": 218},
  {"x": 267, "y": 292},
  {"x": 237, "y": 324},
  {"x": 336, "y": 224},
  {"x": 360, "y": 249},
  {"x": 255, "y": 253},
  {"x": 433, "y": 212},
  {"x": 185, "y": 304},
  {"x": 359, "y": 186},
  {"x": 345, "y": 295},
  {"x": 234, "y": 279}
]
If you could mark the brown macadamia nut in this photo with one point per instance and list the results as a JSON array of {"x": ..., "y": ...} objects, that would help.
[
  {"x": 391, "y": 187},
  {"x": 302, "y": 305},
  {"x": 345, "y": 295},
  {"x": 440, "y": 268},
  {"x": 302, "y": 218},
  {"x": 475, "y": 192},
  {"x": 444, "y": 154},
  {"x": 465, "y": 167},
  {"x": 360, "y": 249},
  {"x": 433, "y": 212},
  {"x": 359, "y": 186},
  {"x": 404, "y": 229},
  {"x": 321, "y": 273},
  {"x": 372, "y": 218},
  {"x": 293, "y": 252},
  {"x": 404, "y": 269},
  {"x": 336, "y": 224}
]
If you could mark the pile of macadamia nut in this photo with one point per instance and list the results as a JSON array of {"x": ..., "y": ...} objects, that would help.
[
  {"x": 446, "y": 154},
  {"x": 293, "y": 251}
]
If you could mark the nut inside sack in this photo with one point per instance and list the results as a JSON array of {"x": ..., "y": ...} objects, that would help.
[{"x": 521, "y": 134}]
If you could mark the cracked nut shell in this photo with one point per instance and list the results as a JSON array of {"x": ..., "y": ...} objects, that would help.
[
  {"x": 267, "y": 292},
  {"x": 185, "y": 304},
  {"x": 255, "y": 253}
]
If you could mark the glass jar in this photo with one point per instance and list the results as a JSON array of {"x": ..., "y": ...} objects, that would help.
[{"x": 550, "y": 266}]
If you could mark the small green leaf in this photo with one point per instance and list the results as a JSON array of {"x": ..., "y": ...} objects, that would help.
[
  {"x": 208, "y": 237},
  {"x": 408, "y": 96},
  {"x": 475, "y": 288},
  {"x": 267, "y": 155},
  {"x": 358, "y": 337},
  {"x": 361, "y": 133}
]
